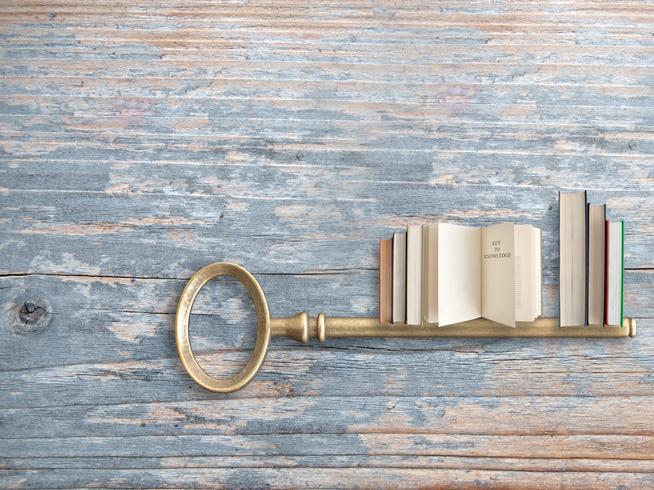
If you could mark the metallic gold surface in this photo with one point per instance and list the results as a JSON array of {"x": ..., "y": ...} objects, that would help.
[
  {"x": 182, "y": 326},
  {"x": 302, "y": 328}
]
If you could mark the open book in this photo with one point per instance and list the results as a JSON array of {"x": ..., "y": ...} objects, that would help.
[{"x": 492, "y": 271}]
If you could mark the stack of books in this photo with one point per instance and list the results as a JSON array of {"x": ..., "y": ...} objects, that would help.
[
  {"x": 443, "y": 273},
  {"x": 591, "y": 267}
]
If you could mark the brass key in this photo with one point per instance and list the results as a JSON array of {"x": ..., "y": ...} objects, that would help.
[{"x": 302, "y": 328}]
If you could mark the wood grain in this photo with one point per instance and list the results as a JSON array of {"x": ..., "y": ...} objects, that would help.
[{"x": 140, "y": 141}]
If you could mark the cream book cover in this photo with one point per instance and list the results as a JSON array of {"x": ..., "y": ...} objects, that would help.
[
  {"x": 430, "y": 272},
  {"x": 459, "y": 273},
  {"x": 492, "y": 272},
  {"x": 414, "y": 274},
  {"x": 572, "y": 258},
  {"x": 596, "y": 263},
  {"x": 399, "y": 278}
]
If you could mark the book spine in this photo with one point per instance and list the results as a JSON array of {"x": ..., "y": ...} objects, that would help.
[
  {"x": 587, "y": 254},
  {"x": 596, "y": 263},
  {"x": 622, "y": 279},
  {"x": 414, "y": 275},
  {"x": 572, "y": 258},
  {"x": 399, "y": 277},
  {"x": 429, "y": 273},
  {"x": 605, "y": 261},
  {"x": 560, "y": 263},
  {"x": 385, "y": 281},
  {"x": 606, "y": 273}
]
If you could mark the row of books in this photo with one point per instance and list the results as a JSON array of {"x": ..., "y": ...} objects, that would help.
[
  {"x": 591, "y": 263},
  {"x": 447, "y": 273}
]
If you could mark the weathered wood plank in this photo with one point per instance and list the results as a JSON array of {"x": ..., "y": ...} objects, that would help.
[
  {"x": 125, "y": 110},
  {"x": 300, "y": 171},
  {"x": 569, "y": 447},
  {"x": 567, "y": 415},
  {"x": 121, "y": 319},
  {"x": 341, "y": 20},
  {"x": 532, "y": 55},
  {"x": 75, "y": 247},
  {"x": 581, "y": 453},
  {"x": 322, "y": 478},
  {"x": 492, "y": 139},
  {"x": 298, "y": 234},
  {"x": 332, "y": 90},
  {"x": 140, "y": 141},
  {"x": 336, "y": 461},
  {"x": 386, "y": 73},
  {"x": 296, "y": 372}
]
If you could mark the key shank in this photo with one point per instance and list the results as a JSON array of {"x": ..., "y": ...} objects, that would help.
[{"x": 303, "y": 327}]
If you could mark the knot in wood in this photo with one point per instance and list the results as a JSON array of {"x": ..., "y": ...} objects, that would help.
[{"x": 32, "y": 317}]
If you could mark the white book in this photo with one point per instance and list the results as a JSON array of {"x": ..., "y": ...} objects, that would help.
[
  {"x": 399, "y": 277},
  {"x": 414, "y": 274}
]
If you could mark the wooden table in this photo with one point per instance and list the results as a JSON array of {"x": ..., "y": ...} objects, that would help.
[{"x": 143, "y": 140}]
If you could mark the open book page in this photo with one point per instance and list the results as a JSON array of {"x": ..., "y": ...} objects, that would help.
[
  {"x": 498, "y": 273},
  {"x": 527, "y": 273},
  {"x": 459, "y": 273}
]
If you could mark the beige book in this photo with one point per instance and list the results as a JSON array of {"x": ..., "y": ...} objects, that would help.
[
  {"x": 414, "y": 274},
  {"x": 430, "y": 272},
  {"x": 572, "y": 258},
  {"x": 385, "y": 281},
  {"x": 399, "y": 277},
  {"x": 493, "y": 271},
  {"x": 596, "y": 262}
]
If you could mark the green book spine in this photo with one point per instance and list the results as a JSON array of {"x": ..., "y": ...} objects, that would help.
[{"x": 622, "y": 285}]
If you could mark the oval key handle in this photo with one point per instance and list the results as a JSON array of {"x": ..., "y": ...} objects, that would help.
[
  {"x": 182, "y": 326},
  {"x": 302, "y": 328}
]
